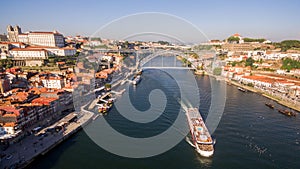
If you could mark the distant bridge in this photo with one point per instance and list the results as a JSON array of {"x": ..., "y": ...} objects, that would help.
[
  {"x": 157, "y": 67},
  {"x": 141, "y": 62}
]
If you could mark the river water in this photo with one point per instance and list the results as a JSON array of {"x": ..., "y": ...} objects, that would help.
[{"x": 249, "y": 135}]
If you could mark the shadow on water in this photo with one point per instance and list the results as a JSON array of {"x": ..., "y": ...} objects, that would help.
[{"x": 43, "y": 161}]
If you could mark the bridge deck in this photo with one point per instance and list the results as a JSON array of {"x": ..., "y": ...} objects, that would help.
[{"x": 143, "y": 68}]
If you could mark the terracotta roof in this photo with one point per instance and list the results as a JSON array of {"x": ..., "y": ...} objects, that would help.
[
  {"x": 60, "y": 63},
  {"x": 236, "y": 34},
  {"x": 43, "y": 100},
  {"x": 20, "y": 43},
  {"x": 10, "y": 124},
  {"x": 27, "y": 49},
  {"x": 41, "y": 32},
  {"x": 12, "y": 109},
  {"x": 9, "y": 115},
  {"x": 42, "y": 47},
  {"x": 23, "y": 33}
]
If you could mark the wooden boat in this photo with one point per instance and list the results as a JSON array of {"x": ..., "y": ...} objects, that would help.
[
  {"x": 287, "y": 112},
  {"x": 270, "y": 105}
]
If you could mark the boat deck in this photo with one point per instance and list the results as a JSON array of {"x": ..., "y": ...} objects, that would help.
[{"x": 199, "y": 130}]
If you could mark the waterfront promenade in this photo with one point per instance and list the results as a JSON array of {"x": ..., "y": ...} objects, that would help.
[{"x": 23, "y": 153}]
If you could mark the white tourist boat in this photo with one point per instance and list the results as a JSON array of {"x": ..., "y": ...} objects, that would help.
[{"x": 202, "y": 140}]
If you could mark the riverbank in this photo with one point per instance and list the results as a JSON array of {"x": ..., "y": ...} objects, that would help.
[
  {"x": 31, "y": 147},
  {"x": 278, "y": 100}
]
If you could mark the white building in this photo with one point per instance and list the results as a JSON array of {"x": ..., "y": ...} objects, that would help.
[
  {"x": 28, "y": 54},
  {"x": 56, "y": 51},
  {"x": 23, "y": 37},
  {"x": 66, "y": 51},
  {"x": 53, "y": 82},
  {"x": 257, "y": 81},
  {"x": 52, "y": 39}
]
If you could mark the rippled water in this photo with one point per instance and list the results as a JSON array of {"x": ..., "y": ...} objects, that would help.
[{"x": 250, "y": 135}]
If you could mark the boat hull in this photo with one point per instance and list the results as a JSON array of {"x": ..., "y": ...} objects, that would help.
[{"x": 205, "y": 153}]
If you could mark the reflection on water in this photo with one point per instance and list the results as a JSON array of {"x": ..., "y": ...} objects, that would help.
[{"x": 204, "y": 161}]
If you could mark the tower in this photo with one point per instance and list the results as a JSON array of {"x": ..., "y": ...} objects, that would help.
[{"x": 13, "y": 33}]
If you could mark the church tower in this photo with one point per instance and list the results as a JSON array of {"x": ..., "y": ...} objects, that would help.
[{"x": 13, "y": 33}]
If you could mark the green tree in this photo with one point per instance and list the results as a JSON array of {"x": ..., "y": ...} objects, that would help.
[
  {"x": 289, "y": 44},
  {"x": 217, "y": 71},
  {"x": 233, "y": 39},
  {"x": 163, "y": 42},
  {"x": 194, "y": 55},
  {"x": 261, "y": 40},
  {"x": 96, "y": 39},
  {"x": 249, "y": 62},
  {"x": 288, "y": 64}
]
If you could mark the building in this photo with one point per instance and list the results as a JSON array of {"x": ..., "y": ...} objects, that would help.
[
  {"x": 64, "y": 98},
  {"x": 50, "y": 39},
  {"x": 56, "y": 51},
  {"x": 16, "y": 119},
  {"x": 28, "y": 56},
  {"x": 3, "y": 38},
  {"x": 13, "y": 33},
  {"x": 11, "y": 122},
  {"x": 4, "y": 84},
  {"x": 52, "y": 81},
  {"x": 23, "y": 37}
]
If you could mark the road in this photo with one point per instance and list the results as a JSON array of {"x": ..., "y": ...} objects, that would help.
[{"x": 30, "y": 147}]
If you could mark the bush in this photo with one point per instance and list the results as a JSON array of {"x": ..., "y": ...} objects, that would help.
[{"x": 217, "y": 71}]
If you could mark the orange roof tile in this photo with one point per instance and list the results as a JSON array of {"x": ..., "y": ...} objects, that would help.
[
  {"x": 43, "y": 100},
  {"x": 10, "y": 124},
  {"x": 11, "y": 109},
  {"x": 27, "y": 49}
]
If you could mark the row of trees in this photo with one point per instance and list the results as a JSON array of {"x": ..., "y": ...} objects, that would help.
[
  {"x": 288, "y": 44},
  {"x": 260, "y": 40},
  {"x": 69, "y": 60},
  {"x": 248, "y": 62},
  {"x": 237, "y": 39},
  {"x": 289, "y": 64}
]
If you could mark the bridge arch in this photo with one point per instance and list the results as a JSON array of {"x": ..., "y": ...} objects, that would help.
[{"x": 159, "y": 53}]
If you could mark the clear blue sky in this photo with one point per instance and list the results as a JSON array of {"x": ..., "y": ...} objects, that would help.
[{"x": 275, "y": 20}]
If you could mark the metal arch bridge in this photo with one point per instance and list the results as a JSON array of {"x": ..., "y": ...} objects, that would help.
[{"x": 142, "y": 61}]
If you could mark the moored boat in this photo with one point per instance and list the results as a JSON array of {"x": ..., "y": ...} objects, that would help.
[
  {"x": 270, "y": 105},
  {"x": 136, "y": 80},
  {"x": 202, "y": 140},
  {"x": 242, "y": 89},
  {"x": 287, "y": 112},
  {"x": 104, "y": 108},
  {"x": 105, "y": 103}
]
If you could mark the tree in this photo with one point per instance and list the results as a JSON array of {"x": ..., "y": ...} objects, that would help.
[
  {"x": 249, "y": 62},
  {"x": 233, "y": 39},
  {"x": 288, "y": 64},
  {"x": 96, "y": 39},
  {"x": 261, "y": 40},
  {"x": 194, "y": 55},
  {"x": 217, "y": 71},
  {"x": 289, "y": 44},
  {"x": 163, "y": 42}
]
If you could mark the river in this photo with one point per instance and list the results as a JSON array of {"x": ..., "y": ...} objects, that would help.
[{"x": 249, "y": 135}]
